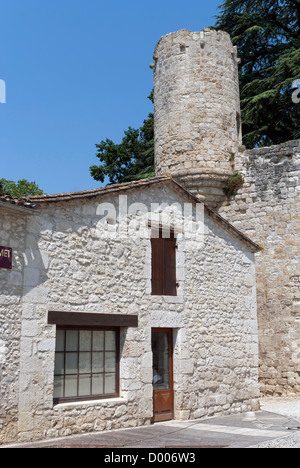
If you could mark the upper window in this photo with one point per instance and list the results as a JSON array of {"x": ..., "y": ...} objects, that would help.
[
  {"x": 164, "y": 265},
  {"x": 86, "y": 364}
]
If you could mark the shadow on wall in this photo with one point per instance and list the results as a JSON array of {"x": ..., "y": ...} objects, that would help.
[{"x": 36, "y": 261}]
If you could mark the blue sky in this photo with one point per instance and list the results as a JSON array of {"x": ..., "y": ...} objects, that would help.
[{"x": 77, "y": 72}]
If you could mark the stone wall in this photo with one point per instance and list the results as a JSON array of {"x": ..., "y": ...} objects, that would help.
[
  {"x": 198, "y": 141},
  {"x": 221, "y": 329},
  {"x": 267, "y": 209},
  {"x": 197, "y": 110},
  {"x": 73, "y": 265},
  {"x": 12, "y": 234}
]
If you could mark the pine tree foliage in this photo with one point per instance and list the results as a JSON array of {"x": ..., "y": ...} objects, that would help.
[{"x": 267, "y": 34}]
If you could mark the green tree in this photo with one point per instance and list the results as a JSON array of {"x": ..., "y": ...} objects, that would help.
[
  {"x": 267, "y": 34},
  {"x": 22, "y": 188},
  {"x": 132, "y": 159}
]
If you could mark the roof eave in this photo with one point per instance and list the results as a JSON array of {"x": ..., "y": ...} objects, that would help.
[
  {"x": 117, "y": 188},
  {"x": 10, "y": 206}
]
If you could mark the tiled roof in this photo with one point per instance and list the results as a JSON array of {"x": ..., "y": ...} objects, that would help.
[
  {"x": 99, "y": 191},
  {"x": 15, "y": 202},
  {"x": 41, "y": 200}
]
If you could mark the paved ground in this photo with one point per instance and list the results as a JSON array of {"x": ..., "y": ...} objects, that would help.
[
  {"x": 275, "y": 426},
  {"x": 289, "y": 407}
]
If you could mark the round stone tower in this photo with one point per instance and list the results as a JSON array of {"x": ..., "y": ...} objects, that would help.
[{"x": 197, "y": 110}]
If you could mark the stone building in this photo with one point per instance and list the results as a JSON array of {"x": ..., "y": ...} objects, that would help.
[
  {"x": 123, "y": 305},
  {"x": 267, "y": 209},
  {"x": 198, "y": 141},
  {"x": 137, "y": 302}
]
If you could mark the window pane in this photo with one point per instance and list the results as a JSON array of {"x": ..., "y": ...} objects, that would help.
[
  {"x": 85, "y": 342},
  {"x": 110, "y": 383},
  {"x": 98, "y": 362},
  {"x": 98, "y": 340},
  {"x": 72, "y": 340},
  {"x": 110, "y": 362},
  {"x": 84, "y": 385},
  {"x": 71, "y": 363},
  {"x": 58, "y": 387},
  {"x": 59, "y": 363},
  {"x": 160, "y": 346},
  {"x": 60, "y": 340},
  {"x": 110, "y": 341},
  {"x": 71, "y": 385},
  {"x": 97, "y": 384},
  {"x": 84, "y": 363}
]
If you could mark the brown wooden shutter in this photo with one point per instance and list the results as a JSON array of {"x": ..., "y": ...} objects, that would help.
[
  {"x": 157, "y": 266},
  {"x": 170, "y": 267},
  {"x": 164, "y": 266}
]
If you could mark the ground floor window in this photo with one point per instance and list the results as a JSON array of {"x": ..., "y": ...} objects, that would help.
[{"x": 86, "y": 364}]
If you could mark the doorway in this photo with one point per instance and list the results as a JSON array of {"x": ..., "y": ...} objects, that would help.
[{"x": 163, "y": 395}]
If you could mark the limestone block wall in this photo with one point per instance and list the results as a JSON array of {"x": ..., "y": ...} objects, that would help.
[
  {"x": 197, "y": 110},
  {"x": 267, "y": 209},
  {"x": 74, "y": 262},
  {"x": 12, "y": 234},
  {"x": 220, "y": 371}
]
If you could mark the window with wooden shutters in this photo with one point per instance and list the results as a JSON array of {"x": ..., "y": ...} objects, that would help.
[{"x": 164, "y": 265}]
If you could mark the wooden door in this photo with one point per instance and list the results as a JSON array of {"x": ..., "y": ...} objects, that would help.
[{"x": 162, "y": 348}]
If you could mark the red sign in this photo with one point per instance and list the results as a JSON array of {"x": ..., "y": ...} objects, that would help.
[{"x": 5, "y": 257}]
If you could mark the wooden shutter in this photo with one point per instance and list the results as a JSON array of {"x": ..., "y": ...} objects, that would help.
[
  {"x": 170, "y": 267},
  {"x": 164, "y": 266},
  {"x": 157, "y": 266}
]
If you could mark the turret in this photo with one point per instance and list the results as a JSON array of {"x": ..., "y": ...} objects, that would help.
[{"x": 197, "y": 110}]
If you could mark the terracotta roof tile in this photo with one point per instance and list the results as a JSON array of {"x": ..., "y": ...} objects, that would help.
[
  {"x": 39, "y": 200},
  {"x": 21, "y": 202},
  {"x": 44, "y": 199},
  {"x": 99, "y": 191}
]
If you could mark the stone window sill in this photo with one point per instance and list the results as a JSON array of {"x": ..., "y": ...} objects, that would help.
[
  {"x": 167, "y": 299},
  {"x": 173, "y": 299},
  {"x": 79, "y": 404}
]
